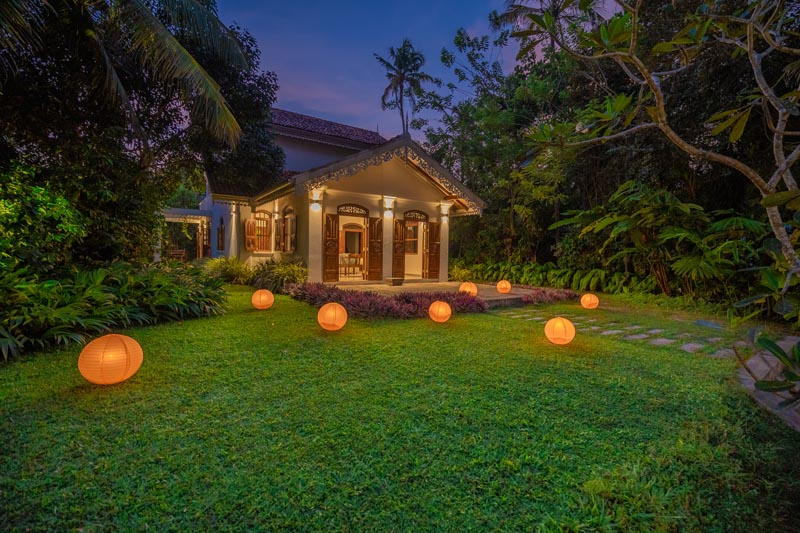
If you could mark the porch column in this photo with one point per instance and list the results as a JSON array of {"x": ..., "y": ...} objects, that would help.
[
  {"x": 234, "y": 233},
  {"x": 315, "y": 216},
  {"x": 444, "y": 241},
  {"x": 388, "y": 234}
]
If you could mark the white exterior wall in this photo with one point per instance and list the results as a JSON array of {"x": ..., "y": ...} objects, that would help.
[{"x": 303, "y": 155}]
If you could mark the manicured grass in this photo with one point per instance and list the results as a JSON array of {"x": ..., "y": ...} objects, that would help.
[{"x": 259, "y": 420}]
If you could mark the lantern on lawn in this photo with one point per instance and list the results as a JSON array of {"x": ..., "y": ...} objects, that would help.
[
  {"x": 559, "y": 330},
  {"x": 469, "y": 288},
  {"x": 440, "y": 311},
  {"x": 503, "y": 286},
  {"x": 589, "y": 301},
  {"x": 332, "y": 316},
  {"x": 263, "y": 299},
  {"x": 110, "y": 359}
]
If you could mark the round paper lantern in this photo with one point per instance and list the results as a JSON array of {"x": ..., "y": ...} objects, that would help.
[
  {"x": 110, "y": 359},
  {"x": 559, "y": 330},
  {"x": 440, "y": 311},
  {"x": 332, "y": 316},
  {"x": 503, "y": 286},
  {"x": 263, "y": 299},
  {"x": 469, "y": 288},
  {"x": 589, "y": 301}
]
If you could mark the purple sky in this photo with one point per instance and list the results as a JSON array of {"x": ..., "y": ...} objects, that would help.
[{"x": 322, "y": 50}]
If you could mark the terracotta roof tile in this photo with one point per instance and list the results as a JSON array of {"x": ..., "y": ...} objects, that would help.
[{"x": 289, "y": 119}]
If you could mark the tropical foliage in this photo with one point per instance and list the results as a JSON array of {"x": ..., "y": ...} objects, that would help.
[{"x": 39, "y": 311}]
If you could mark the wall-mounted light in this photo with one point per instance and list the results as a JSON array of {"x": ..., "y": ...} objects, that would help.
[
  {"x": 388, "y": 202},
  {"x": 316, "y": 198},
  {"x": 445, "y": 206}
]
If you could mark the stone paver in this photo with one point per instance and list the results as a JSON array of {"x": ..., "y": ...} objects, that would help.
[
  {"x": 636, "y": 337},
  {"x": 692, "y": 347},
  {"x": 655, "y": 331},
  {"x": 661, "y": 341},
  {"x": 633, "y": 327},
  {"x": 723, "y": 353},
  {"x": 611, "y": 332}
]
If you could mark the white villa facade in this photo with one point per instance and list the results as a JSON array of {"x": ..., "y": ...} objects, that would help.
[{"x": 355, "y": 206}]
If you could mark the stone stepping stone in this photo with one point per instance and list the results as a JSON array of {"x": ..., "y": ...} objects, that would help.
[
  {"x": 655, "y": 331},
  {"x": 633, "y": 327},
  {"x": 636, "y": 337},
  {"x": 714, "y": 340},
  {"x": 692, "y": 347},
  {"x": 594, "y": 328},
  {"x": 591, "y": 320},
  {"x": 611, "y": 332},
  {"x": 661, "y": 341},
  {"x": 723, "y": 353}
]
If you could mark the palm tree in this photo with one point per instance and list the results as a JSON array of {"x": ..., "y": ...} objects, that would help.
[
  {"x": 405, "y": 79},
  {"x": 133, "y": 27},
  {"x": 563, "y": 13}
]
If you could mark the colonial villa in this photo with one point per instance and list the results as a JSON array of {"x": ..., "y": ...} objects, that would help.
[{"x": 355, "y": 207}]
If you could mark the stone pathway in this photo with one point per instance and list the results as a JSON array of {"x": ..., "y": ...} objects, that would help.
[
  {"x": 713, "y": 345},
  {"x": 706, "y": 340}
]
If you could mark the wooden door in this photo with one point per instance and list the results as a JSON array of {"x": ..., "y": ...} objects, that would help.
[
  {"x": 433, "y": 239},
  {"x": 330, "y": 267},
  {"x": 375, "y": 250},
  {"x": 399, "y": 249}
]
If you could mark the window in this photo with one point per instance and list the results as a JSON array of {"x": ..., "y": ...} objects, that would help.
[
  {"x": 289, "y": 230},
  {"x": 221, "y": 235},
  {"x": 412, "y": 237},
  {"x": 258, "y": 232}
]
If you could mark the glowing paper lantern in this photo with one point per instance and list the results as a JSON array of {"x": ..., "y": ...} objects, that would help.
[
  {"x": 263, "y": 299},
  {"x": 469, "y": 288},
  {"x": 503, "y": 286},
  {"x": 440, "y": 311},
  {"x": 332, "y": 316},
  {"x": 590, "y": 301},
  {"x": 559, "y": 330},
  {"x": 110, "y": 359}
]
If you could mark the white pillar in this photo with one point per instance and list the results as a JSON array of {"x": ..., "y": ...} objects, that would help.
[
  {"x": 388, "y": 234},
  {"x": 315, "y": 237},
  {"x": 444, "y": 240},
  {"x": 234, "y": 233},
  {"x": 444, "y": 247}
]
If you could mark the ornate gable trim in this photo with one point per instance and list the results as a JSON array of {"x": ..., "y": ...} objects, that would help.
[{"x": 402, "y": 148}]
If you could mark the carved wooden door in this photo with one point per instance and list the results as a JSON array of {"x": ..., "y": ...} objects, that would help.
[
  {"x": 399, "y": 249},
  {"x": 375, "y": 250},
  {"x": 432, "y": 253},
  {"x": 330, "y": 249}
]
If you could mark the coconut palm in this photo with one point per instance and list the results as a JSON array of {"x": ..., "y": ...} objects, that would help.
[
  {"x": 562, "y": 13},
  {"x": 405, "y": 79},
  {"x": 138, "y": 29}
]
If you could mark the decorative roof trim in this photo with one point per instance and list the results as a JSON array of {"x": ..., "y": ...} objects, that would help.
[{"x": 401, "y": 147}]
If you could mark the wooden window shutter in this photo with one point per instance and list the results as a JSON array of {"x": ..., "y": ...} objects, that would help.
[{"x": 250, "y": 235}]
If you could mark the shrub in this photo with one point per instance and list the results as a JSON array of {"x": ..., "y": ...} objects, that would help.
[
  {"x": 276, "y": 276},
  {"x": 373, "y": 305},
  {"x": 85, "y": 303},
  {"x": 546, "y": 295},
  {"x": 229, "y": 270}
]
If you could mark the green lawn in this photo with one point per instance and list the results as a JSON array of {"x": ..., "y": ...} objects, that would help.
[{"x": 260, "y": 420}]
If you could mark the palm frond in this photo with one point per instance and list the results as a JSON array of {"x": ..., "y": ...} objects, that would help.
[
  {"x": 166, "y": 59},
  {"x": 20, "y": 23}
]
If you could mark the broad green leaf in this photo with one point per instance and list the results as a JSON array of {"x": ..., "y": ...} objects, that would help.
[
  {"x": 779, "y": 198},
  {"x": 774, "y": 386},
  {"x": 738, "y": 128}
]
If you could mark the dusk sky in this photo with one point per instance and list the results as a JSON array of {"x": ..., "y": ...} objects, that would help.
[{"x": 322, "y": 50}]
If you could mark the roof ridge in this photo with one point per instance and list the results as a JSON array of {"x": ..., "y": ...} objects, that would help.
[{"x": 301, "y": 121}]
